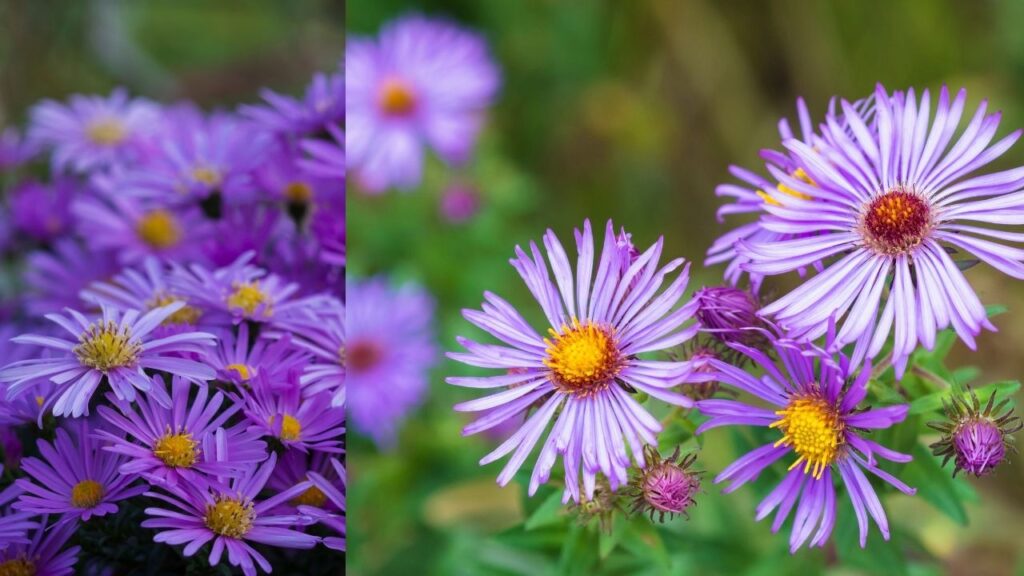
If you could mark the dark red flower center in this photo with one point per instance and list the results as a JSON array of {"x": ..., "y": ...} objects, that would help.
[
  {"x": 363, "y": 355},
  {"x": 896, "y": 222}
]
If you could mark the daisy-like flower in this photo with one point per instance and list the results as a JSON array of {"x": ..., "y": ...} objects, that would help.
[
  {"x": 324, "y": 102},
  {"x": 583, "y": 372},
  {"x": 728, "y": 314},
  {"x": 114, "y": 348},
  {"x": 387, "y": 356},
  {"x": 135, "y": 230},
  {"x": 229, "y": 518},
  {"x": 421, "y": 81},
  {"x": 321, "y": 332},
  {"x": 241, "y": 356},
  {"x": 91, "y": 132},
  {"x": 43, "y": 553},
  {"x": 55, "y": 277},
  {"x": 236, "y": 292},
  {"x": 813, "y": 405},
  {"x": 42, "y": 210},
  {"x": 890, "y": 200},
  {"x": 74, "y": 478},
  {"x": 14, "y": 528},
  {"x": 302, "y": 423},
  {"x": 327, "y": 513},
  {"x": 187, "y": 442},
  {"x": 977, "y": 439},
  {"x": 143, "y": 288}
]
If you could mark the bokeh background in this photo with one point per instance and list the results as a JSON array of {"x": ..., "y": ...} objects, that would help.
[{"x": 633, "y": 111}]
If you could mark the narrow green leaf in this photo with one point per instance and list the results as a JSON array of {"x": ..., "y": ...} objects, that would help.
[
  {"x": 933, "y": 402},
  {"x": 549, "y": 512},
  {"x": 935, "y": 485}
]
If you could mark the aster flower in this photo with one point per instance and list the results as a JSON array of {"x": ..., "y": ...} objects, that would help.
[
  {"x": 326, "y": 158},
  {"x": 15, "y": 150},
  {"x": 976, "y": 439},
  {"x": 459, "y": 203},
  {"x": 188, "y": 442},
  {"x": 114, "y": 348},
  {"x": 42, "y": 210},
  {"x": 43, "y": 554},
  {"x": 143, "y": 288},
  {"x": 666, "y": 486},
  {"x": 91, "y": 132},
  {"x": 324, "y": 102},
  {"x": 241, "y": 355},
  {"x": 135, "y": 230},
  {"x": 321, "y": 332},
  {"x": 388, "y": 354},
  {"x": 14, "y": 527},
  {"x": 327, "y": 225},
  {"x": 584, "y": 372},
  {"x": 890, "y": 201},
  {"x": 332, "y": 489},
  {"x": 309, "y": 423},
  {"x": 728, "y": 314},
  {"x": 55, "y": 277},
  {"x": 74, "y": 477},
  {"x": 236, "y": 292},
  {"x": 242, "y": 229},
  {"x": 813, "y": 406},
  {"x": 422, "y": 81},
  {"x": 229, "y": 518}
]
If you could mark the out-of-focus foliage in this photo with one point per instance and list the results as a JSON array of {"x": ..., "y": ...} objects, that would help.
[{"x": 634, "y": 110}]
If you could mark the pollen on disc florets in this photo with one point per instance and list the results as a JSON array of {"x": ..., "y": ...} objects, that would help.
[
  {"x": 20, "y": 566},
  {"x": 104, "y": 346},
  {"x": 896, "y": 221},
  {"x": 87, "y": 494},
  {"x": 177, "y": 450},
  {"x": 396, "y": 97},
  {"x": 159, "y": 229},
  {"x": 247, "y": 296},
  {"x": 812, "y": 427},
  {"x": 230, "y": 517},
  {"x": 584, "y": 358},
  {"x": 106, "y": 132}
]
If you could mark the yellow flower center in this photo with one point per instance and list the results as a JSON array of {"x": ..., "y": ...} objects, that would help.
[
  {"x": 799, "y": 174},
  {"x": 243, "y": 371},
  {"x": 159, "y": 229},
  {"x": 106, "y": 132},
  {"x": 184, "y": 315},
  {"x": 247, "y": 296},
  {"x": 104, "y": 346},
  {"x": 177, "y": 450},
  {"x": 813, "y": 429},
  {"x": 290, "y": 427},
  {"x": 230, "y": 517},
  {"x": 583, "y": 358},
  {"x": 207, "y": 175},
  {"x": 18, "y": 567},
  {"x": 396, "y": 97},
  {"x": 298, "y": 192},
  {"x": 312, "y": 496},
  {"x": 86, "y": 494}
]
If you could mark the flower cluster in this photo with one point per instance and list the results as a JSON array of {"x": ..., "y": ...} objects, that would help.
[{"x": 175, "y": 348}]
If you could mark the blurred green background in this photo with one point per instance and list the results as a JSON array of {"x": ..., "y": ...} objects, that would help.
[{"x": 634, "y": 110}]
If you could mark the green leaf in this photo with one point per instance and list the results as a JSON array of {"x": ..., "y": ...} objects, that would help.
[
  {"x": 879, "y": 557},
  {"x": 578, "y": 551},
  {"x": 935, "y": 485},
  {"x": 609, "y": 540},
  {"x": 933, "y": 402},
  {"x": 993, "y": 310},
  {"x": 549, "y": 512}
]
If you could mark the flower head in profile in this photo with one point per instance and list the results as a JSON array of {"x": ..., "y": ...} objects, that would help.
[
  {"x": 43, "y": 553},
  {"x": 323, "y": 103},
  {"x": 229, "y": 518},
  {"x": 729, "y": 314},
  {"x": 309, "y": 423},
  {"x": 421, "y": 82},
  {"x": 236, "y": 292},
  {"x": 583, "y": 373},
  {"x": 388, "y": 353},
  {"x": 320, "y": 331},
  {"x": 813, "y": 406},
  {"x": 92, "y": 132},
  {"x": 667, "y": 486},
  {"x": 190, "y": 441},
  {"x": 115, "y": 348},
  {"x": 894, "y": 201},
  {"x": 55, "y": 276},
  {"x": 144, "y": 287},
  {"x": 74, "y": 477},
  {"x": 976, "y": 439},
  {"x": 326, "y": 157}
]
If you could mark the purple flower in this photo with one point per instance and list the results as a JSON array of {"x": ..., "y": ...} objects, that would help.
[
  {"x": 421, "y": 81},
  {"x": 326, "y": 157},
  {"x": 144, "y": 288},
  {"x": 309, "y": 423},
  {"x": 459, "y": 203},
  {"x": 388, "y": 354},
  {"x": 239, "y": 291},
  {"x": 813, "y": 406},
  {"x": 666, "y": 486},
  {"x": 43, "y": 554},
  {"x": 229, "y": 518},
  {"x": 728, "y": 314},
  {"x": 323, "y": 103},
  {"x": 327, "y": 225},
  {"x": 54, "y": 279},
  {"x": 42, "y": 210},
  {"x": 134, "y": 229},
  {"x": 187, "y": 442},
  {"x": 332, "y": 487},
  {"x": 14, "y": 527},
  {"x": 14, "y": 150},
  {"x": 241, "y": 357},
  {"x": 977, "y": 438},
  {"x": 891, "y": 200},
  {"x": 114, "y": 348},
  {"x": 74, "y": 477},
  {"x": 91, "y": 132},
  {"x": 587, "y": 367},
  {"x": 321, "y": 332}
]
